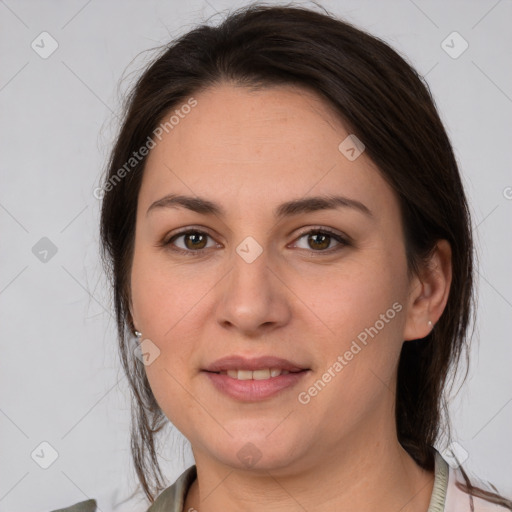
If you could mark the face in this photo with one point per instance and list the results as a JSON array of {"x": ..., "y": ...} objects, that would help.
[{"x": 323, "y": 287}]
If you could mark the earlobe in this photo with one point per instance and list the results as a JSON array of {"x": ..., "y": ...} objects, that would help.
[{"x": 429, "y": 293}]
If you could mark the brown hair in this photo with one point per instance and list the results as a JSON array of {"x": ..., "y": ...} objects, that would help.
[{"x": 383, "y": 101}]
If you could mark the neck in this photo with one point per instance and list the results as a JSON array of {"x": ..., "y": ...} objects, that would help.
[{"x": 365, "y": 477}]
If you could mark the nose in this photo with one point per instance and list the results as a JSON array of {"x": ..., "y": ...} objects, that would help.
[{"x": 253, "y": 299}]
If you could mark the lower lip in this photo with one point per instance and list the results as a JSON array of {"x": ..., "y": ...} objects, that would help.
[{"x": 254, "y": 390}]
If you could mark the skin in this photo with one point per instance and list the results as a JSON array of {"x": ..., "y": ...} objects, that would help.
[{"x": 250, "y": 151}]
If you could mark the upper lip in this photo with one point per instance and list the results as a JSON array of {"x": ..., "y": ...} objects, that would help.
[{"x": 254, "y": 363}]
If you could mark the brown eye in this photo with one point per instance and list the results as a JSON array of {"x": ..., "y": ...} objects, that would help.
[
  {"x": 320, "y": 240},
  {"x": 194, "y": 240},
  {"x": 191, "y": 242}
]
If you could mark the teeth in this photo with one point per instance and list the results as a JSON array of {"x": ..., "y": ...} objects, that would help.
[
  {"x": 244, "y": 375},
  {"x": 264, "y": 373}
]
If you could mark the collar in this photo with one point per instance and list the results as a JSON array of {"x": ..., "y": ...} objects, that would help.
[
  {"x": 172, "y": 499},
  {"x": 441, "y": 473}
]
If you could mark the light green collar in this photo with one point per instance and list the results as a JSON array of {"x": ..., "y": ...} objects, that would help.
[{"x": 441, "y": 472}]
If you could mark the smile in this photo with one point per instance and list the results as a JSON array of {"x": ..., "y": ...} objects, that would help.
[
  {"x": 256, "y": 385},
  {"x": 264, "y": 373}
]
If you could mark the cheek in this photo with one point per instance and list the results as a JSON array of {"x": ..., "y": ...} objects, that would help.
[
  {"x": 168, "y": 303},
  {"x": 363, "y": 307},
  {"x": 165, "y": 305},
  {"x": 356, "y": 294},
  {"x": 358, "y": 356},
  {"x": 164, "y": 295}
]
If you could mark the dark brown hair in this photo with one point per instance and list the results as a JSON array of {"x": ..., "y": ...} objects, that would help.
[{"x": 383, "y": 101}]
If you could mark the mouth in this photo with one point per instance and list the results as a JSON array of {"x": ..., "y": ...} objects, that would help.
[
  {"x": 257, "y": 368},
  {"x": 261, "y": 374},
  {"x": 253, "y": 379}
]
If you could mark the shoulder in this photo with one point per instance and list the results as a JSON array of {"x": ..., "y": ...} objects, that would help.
[
  {"x": 82, "y": 506},
  {"x": 457, "y": 500},
  {"x": 171, "y": 499}
]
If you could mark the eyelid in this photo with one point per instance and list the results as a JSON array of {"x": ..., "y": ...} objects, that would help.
[{"x": 324, "y": 229}]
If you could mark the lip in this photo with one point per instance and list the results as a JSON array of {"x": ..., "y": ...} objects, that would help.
[
  {"x": 254, "y": 390},
  {"x": 235, "y": 362}
]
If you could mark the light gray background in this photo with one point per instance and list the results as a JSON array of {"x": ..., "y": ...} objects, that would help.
[{"x": 60, "y": 377}]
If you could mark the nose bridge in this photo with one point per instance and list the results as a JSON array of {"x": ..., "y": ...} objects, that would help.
[{"x": 252, "y": 296}]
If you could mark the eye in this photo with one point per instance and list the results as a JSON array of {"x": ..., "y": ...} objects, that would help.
[
  {"x": 319, "y": 239},
  {"x": 194, "y": 241}
]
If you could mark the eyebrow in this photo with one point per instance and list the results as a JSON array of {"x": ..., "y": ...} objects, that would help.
[{"x": 290, "y": 208}]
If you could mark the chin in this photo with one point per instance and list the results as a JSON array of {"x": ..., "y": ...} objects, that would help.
[{"x": 259, "y": 451}]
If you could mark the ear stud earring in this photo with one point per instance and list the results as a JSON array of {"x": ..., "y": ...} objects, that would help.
[
  {"x": 430, "y": 324},
  {"x": 138, "y": 334}
]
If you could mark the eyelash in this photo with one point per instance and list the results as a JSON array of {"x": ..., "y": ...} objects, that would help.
[{"x": 315, "y": 231}]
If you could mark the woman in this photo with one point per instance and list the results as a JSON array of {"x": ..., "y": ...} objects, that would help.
[{"x": 291, "y": 257}]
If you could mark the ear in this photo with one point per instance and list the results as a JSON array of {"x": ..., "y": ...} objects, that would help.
[{"x": 428, "y": 293}]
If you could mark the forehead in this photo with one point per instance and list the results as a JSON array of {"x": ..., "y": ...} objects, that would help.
[{"x": 258, "y": 146}]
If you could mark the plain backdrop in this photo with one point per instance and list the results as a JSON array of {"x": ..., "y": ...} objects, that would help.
[{"x": 61, "y": 383}]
